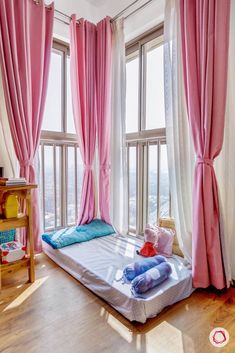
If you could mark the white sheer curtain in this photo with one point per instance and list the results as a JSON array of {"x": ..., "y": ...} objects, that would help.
[
  {"x": 118, "y": 182},
  {"x": 7, "y": 154},
  {"x": 180, "y": 150},
  {"x": 225, "y": 164}
]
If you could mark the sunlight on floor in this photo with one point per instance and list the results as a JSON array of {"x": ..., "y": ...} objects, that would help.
[
  {"x": 26, "y": 294},
  {"x": 163, "y": 338},
  {"x": 169, "y": 339},
  {"x": 130, "y": 251},
  {"x": 119, "y": 328}
]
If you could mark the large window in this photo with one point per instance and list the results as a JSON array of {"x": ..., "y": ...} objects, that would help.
[
  {"x": 61, "y": 166},
  {"x": 148, "y": 180}
]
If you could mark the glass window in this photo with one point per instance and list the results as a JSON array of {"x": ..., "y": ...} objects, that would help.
[
  {"x": 145, "y": 117},
  {"x": 155, "y": 110},
  {"x": 52, "y": 120},
  {"x": 71, "y": 200},
  {"x": 132, "y": 93},
  {"x": 132, "y": 187},
  {"x": 79, "y": 176},
  {"x": 58, "y": 186},
  {"x": 70, "y": 120},
  {"x": 62, "y": 162},
  {"x": 49, "y": 187},
  {"x": 164, "y": 184},
  {"x": 152, "y": 183}
]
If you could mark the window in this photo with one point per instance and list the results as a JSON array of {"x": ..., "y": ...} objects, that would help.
[
  {"x": 61, "y": 166},
  {"x": 148, "y": 180}
]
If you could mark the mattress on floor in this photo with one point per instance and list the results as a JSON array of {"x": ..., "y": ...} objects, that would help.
[{"x": 98, "y": 264}]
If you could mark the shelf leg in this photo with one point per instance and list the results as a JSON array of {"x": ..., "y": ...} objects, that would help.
[{"x": 30, "y": 237}]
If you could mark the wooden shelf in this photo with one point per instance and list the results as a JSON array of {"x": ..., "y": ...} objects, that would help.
[
  {"x": 18, "y": 187},
  {"x": 11, "y": 223},
  {"x": 23, "y": 193},
  {"x": 12, "y": 266}
]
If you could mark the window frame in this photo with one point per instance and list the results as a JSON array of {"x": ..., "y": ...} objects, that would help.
[
  {"x": 143, "y": 138},
  {"x": 64, "y": 140},
  {"x": 138, "y": 44}
]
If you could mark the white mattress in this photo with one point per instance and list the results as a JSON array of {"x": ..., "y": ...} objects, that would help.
[{"x": 98, "y": 264}]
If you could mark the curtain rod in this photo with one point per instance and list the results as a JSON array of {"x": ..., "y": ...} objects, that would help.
[
  {"x": 114, "y": 18},
  {"x": 138, "y": 9},
  {"x": 124, "y": 10}
]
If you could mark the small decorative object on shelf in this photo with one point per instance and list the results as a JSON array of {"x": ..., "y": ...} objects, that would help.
[
  {"x": 7, "y": 236},
  {"x": 12, "y": 181},
  {"x": 12, "y": 251},
  {"x": 22, "y": 220},
  {"x": 11, "y": 206},
  {"x": 1, "y": 172}
]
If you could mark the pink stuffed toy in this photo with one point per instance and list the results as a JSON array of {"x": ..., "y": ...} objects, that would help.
[
  {"x": 150, "y": 241},
  {"x": 157, "y": 240}
]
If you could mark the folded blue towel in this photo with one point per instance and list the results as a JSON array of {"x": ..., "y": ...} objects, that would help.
[
  {"x": 151, "y": 278},
  {"x": 72, "y": 235},
  {"x": 137, "y": 268},
  {"x": 96, "y": 228}
]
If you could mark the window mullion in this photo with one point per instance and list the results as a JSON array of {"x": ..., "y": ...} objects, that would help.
[
  {"x": 64, "y": 185},
  {"x": 158, "y": 178}
]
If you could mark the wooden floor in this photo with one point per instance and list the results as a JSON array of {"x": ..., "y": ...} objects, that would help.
[{"x": 56, "y": 314}]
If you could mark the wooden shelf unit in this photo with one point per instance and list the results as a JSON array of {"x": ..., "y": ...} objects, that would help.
[{"x": 23, "y": 192}]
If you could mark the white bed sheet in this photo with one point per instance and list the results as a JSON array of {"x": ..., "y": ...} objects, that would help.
[{"x": 98, "y": 264}]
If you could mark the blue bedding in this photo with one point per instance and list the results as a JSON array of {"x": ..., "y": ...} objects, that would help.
[
  {"x": 68, "y": 236},
  {"x": 138, "y": 267}
]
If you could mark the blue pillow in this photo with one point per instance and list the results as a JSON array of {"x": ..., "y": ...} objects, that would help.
[
  {"x": 151, "y": 278},
  {"x": 140, "y": 266},
  {"x": 96, "y": 228},
  {"x": 65, "y": 237}
]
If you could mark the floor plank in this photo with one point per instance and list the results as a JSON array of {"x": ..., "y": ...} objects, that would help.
[{"x": 57, "y": 314}]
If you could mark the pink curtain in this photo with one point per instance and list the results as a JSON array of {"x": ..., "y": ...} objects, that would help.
[
  {"x": 25, "y": 49},
  {"x": 104, "y": 51},
  {"x": 205, "y": 36},
  {"x": 83, "y": 80}
]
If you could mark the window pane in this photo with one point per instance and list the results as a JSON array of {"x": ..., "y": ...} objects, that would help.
[
  {"x": 132, "y": 93},
  {"x": 155, "y": 111},
  {"x": 52, "y": 114},
  {"x": 49, "y": 187},
  {"x": 79, "y": 177},
  {"x": 132, "y": 187},
  {"x": 71, "y": 206},
  {"x": 40, "y": 186},
  {"x": 152, "y": 184},
  {"x": 58, "y": 186},
  {"x": 164, "y": 184},
  {"x": 70, "y": 121}
]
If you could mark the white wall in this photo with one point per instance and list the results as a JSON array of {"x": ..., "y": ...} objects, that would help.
[
  {"x": 81, "y": 8},
  {"x": 143, "y": 20},
  {"x": 95, "y": 10}
]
